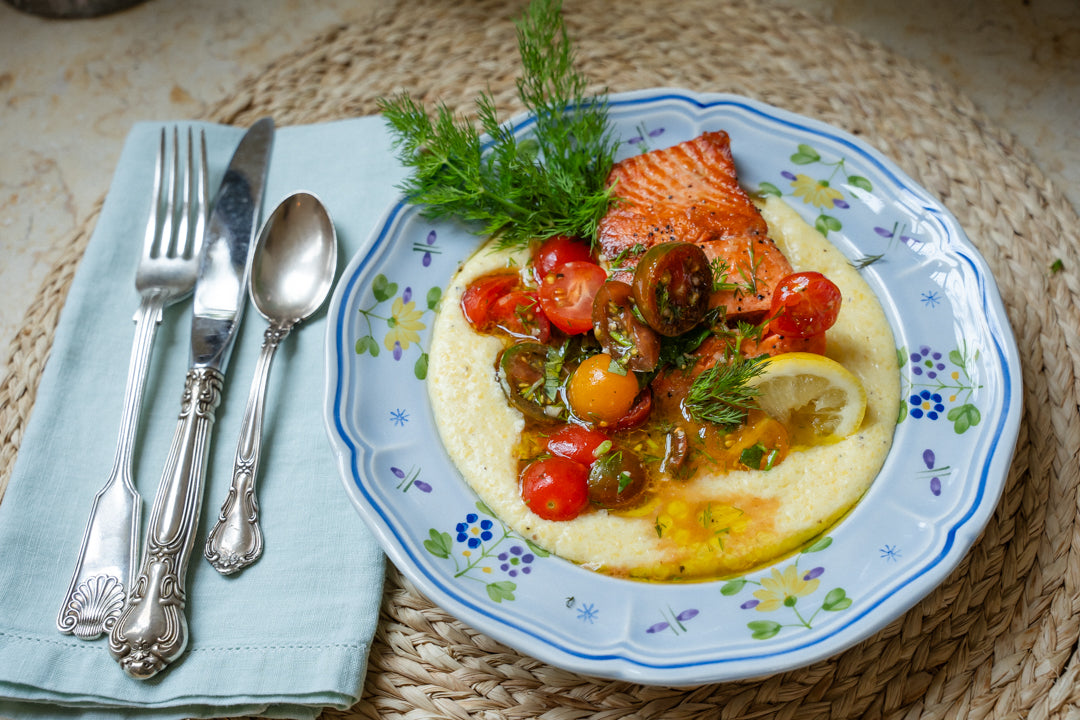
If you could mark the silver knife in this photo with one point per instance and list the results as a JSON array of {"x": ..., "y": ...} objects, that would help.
[{"x": 151, "y": 631}]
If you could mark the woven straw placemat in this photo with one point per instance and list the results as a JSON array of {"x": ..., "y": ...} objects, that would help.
[{"x": 999, "y": 637}]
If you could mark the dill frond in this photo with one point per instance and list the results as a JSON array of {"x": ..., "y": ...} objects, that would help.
[
  {"x": 721, "y": 394},
  {"x": 548, "y": 180}
]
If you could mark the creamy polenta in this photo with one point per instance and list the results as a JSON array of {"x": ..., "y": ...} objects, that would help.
[{"x": 715, "y": 524}]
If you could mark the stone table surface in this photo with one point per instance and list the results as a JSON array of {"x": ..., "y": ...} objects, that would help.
[{"x": 71, "y": 89}]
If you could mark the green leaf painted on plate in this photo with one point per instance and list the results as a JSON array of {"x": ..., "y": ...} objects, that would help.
[
  {"x": 502, "y": 590},
  {"x": 806, "y": 155},
  {"x": 860, "y": 182},
  {"x": 434, "y": 295},
  {"x": 420, "y": 368},
  {"x": 382, "y": 288},
  {"x": 763, "y": 629},
  {"x": 827, "y": 223},
  {"x": 767, "y": 188},
  {"x": 818, "y": 545},
  {"x": 964, "y": 417},
  {"x": 438, "y": 544},
  {"x": 733, "y": 587},
  {"x": 836, "y": 600}
]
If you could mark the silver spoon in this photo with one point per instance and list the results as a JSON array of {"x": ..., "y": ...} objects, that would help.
[{"x": 293, "y": 267}]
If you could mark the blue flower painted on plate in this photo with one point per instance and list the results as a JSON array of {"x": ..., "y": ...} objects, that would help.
[
  {"x": 931, "y": 299},
  {"x": 399, "y": 417},
  {"x": 941, "y": 385},
  {"x": 587, "y": 613},
  {"x": 890, "y": 553},
  {"x": 481, "y": 548},
  {"x": 474, "y": 531}
]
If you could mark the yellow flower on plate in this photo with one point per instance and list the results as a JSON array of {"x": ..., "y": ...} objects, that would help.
[
  {"x": 815, "y": 192},
  {"x": 405, "y": 325},
  {"x": 782, "y": 589}
]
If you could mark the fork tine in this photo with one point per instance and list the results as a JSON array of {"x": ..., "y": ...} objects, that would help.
[
  {"x": 195, "y": 188},
  {"x": 178, "y": 246},
  {"x": 173, "y": 176},
  {"x": 202, "y": 204},
  {"x": 153, "y": 224}
]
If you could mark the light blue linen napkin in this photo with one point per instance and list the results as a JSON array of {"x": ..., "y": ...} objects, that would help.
[{"x": 288, "y": 635}]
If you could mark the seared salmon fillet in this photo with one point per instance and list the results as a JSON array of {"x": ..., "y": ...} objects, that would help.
[{"x": 690, "y": 193}]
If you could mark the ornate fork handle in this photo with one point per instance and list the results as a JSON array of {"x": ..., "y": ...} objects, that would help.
[
  {"x": 236, "y": 539},
  {"x": 108, "y": 556},
  {"x": 151, "y": 631}
]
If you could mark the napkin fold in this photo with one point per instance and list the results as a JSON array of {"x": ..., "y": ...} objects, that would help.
[{"x": 288, "y": 635}]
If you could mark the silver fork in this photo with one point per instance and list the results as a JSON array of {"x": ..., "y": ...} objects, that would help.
[{"x": 107, "y": 561}]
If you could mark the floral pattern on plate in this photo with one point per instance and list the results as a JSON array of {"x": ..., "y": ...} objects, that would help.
[{"x": 930, "y": 501}]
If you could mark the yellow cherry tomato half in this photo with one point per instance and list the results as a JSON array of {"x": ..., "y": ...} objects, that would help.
[{"x": 599, "y": 395}]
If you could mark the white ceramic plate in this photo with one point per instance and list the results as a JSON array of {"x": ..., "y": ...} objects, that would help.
[{"x": 936, "y": 491}]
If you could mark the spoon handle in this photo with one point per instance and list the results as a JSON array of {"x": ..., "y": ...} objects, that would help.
[{"x": 236, "y": 541}]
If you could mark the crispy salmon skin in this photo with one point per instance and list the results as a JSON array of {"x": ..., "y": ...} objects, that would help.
[{"x": 690, "y": 193}]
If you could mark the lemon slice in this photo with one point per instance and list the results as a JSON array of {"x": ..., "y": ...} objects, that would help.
[{"x": 817, "y": 399}]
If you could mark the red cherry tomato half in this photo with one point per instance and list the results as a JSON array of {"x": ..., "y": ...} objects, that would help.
[
  {"x": 557, "y": 251},
  {"x": 555, "y": 488},
  {"x": 519, "y": 313},
  {"x": 576, "y": 443},
  {"x": 638, "y": 412},
  {"x": 481, "y": 294},
  {"x": 567, "y": 293},
  {"x": 804, "y": 304}
]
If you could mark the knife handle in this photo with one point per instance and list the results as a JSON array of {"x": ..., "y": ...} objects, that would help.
[{"x": 151, "y": 631}]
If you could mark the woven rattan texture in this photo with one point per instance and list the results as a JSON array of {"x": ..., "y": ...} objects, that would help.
[{"x": 998, "y": 639}]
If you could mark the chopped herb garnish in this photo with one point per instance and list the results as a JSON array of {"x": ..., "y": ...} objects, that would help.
[
  {"x": 553, "y": 366},
  {"x": 720, "y": 271},
  {"x": 722, "y": 395},
  {"x": 754, "y": 456}
]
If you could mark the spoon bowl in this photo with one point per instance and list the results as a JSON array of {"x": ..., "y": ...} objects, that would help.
[
  {"x": 293, "y": 268},
  {"x": 295, "y": 260}
]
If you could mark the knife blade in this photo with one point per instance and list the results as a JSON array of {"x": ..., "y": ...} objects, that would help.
[{"x": 151, "y": 631}]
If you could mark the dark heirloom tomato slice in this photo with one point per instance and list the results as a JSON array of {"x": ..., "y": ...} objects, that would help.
[
  {"x": 804, "y": 304},
  {"x": 555, "y": 488},
  {"x": 616, "y": 480},
  {"x": 557, "y": 251},
  {"x": 522, "y": 374},
  {"x": 576, "y": 442},
  {"x": 481, "y": 294},
  {"x": 519, "y": 313},
  {"x": 638, "y": 413},
  {"x": 567, "y": 292},
  {"x": 671, "y": 287},
  {"x": 631, "y": 342}
]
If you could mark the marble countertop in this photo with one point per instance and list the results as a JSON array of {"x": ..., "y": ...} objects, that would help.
[{"x": 71, "y": 89}]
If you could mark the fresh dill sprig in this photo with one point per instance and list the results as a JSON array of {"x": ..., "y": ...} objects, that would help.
[
  {"x": 550, "y": 181},
  {"x": 721, "y": 394}
]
